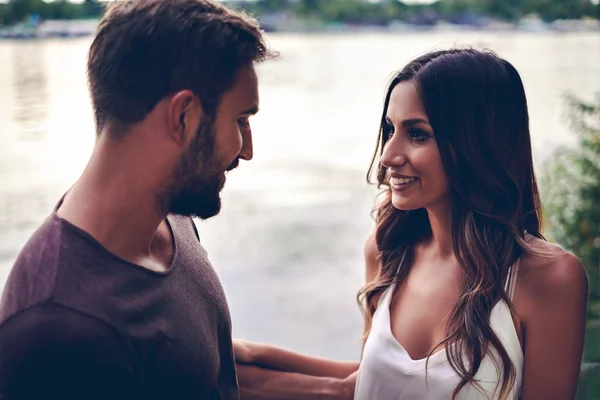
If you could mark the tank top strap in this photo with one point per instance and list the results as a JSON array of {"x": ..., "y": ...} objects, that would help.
[
  {"x": 386, "y": 297},
  {"x": 513, "y": 272},
  {"x": 511, "y": 279}
]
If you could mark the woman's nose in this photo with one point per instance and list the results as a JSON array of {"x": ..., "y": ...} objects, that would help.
[{"x": 392, "y": 156}]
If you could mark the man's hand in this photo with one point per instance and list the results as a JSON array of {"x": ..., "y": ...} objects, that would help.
[
  {"x": 258, "y": 383},
  {"x": 349, "y": 385},
  {"x": 245, "y": 351},
  {"x": 268, "y": 373}
]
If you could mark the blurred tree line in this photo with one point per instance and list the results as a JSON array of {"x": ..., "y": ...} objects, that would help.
[
  {"x": 571, "y": 193},
  {"x": 20, "y": 10},
  {"x": 386, "y": 10},
  {"x": 347, "y": 11},
  {"x": 571, "y": 199}
]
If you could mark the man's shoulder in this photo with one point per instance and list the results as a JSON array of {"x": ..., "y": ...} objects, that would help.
[{"x": 35, "y": 272}]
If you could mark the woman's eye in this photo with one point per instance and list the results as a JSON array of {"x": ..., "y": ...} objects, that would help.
[
  {"x": 388, "y": 129},
  {"x": 418, "y": 135}
]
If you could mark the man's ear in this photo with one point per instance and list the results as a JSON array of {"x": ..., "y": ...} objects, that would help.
[{"x": 185, "y": 113}]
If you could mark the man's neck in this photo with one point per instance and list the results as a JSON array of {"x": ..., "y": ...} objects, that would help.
[{"x": 119, "y": 209}]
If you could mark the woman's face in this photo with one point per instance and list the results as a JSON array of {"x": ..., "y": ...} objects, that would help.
[{"x": 416, "y": 174}]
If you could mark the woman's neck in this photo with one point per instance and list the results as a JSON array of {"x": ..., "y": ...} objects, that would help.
[{"x": 440, "y": 221}]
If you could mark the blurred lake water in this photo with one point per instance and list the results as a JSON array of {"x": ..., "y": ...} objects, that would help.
[{"x": 288, "y": 244}]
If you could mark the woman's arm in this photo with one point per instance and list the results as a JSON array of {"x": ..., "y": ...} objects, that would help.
[
  {"x": 555, "y": 297},
  {"x": 372, "y": 268},
  {"x": 267, "y": 372},
  {"x": 275, "y": 358}
]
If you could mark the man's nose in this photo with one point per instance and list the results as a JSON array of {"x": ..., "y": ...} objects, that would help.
[{"x": 247, "y": 151}]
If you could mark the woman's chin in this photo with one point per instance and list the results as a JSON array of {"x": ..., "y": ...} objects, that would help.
[{"x": 404, "y": 204}]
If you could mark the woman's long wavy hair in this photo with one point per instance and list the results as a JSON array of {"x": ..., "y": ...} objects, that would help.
[{"x": 476, "y": 104}]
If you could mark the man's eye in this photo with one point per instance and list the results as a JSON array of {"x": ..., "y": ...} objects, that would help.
[{"x": 244, "y": 123}]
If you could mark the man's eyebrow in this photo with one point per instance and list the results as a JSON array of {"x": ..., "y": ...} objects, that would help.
[{"x": 250, "y": 111}]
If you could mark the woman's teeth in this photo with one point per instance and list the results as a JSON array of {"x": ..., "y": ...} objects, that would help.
[{"x": 402, "y": 181}]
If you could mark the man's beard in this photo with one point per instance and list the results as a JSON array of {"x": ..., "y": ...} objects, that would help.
[{"x": 198, "y": 179}]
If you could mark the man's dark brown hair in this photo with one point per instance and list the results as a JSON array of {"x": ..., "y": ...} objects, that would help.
[{"x": 145, "y": 50}]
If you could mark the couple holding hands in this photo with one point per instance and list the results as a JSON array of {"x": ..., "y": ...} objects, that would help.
[{"x": 113, "y": 297}]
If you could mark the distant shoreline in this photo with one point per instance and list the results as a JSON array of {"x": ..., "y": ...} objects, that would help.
[{"x": 74, "y": 28}]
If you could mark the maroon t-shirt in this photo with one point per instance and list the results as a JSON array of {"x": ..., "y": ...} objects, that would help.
[{"x": 77, "y": 322}]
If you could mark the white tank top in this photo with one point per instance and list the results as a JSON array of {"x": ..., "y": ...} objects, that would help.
[{"x": 387, "y": 372}]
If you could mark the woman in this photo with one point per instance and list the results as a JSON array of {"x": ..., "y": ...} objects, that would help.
[{"x": 464, "y": 297}]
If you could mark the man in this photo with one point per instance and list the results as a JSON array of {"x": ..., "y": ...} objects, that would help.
[{"x": 113, "y": 297}]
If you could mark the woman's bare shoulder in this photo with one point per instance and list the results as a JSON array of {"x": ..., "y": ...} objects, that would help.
[{"x": 551, "y": 275}]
